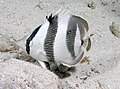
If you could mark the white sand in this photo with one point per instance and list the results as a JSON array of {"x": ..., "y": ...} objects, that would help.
[{"x": 19, "y": 17}]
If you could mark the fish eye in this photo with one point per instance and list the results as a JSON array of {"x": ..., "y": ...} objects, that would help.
[{"x": 82, "y": 42}]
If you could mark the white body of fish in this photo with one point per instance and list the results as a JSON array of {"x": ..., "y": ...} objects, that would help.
[{"x": 60, "y": 50}]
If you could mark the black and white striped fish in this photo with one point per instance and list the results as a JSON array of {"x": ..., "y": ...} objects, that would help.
[{"x": 60, "y": 40}]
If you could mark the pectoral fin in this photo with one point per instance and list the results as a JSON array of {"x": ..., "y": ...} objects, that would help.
[{"x": 89, "y": 44}]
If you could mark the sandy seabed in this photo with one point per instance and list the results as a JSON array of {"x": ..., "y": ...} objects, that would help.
[{"x": 20, "y": 17}]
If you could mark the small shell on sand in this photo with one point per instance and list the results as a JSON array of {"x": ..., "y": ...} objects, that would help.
[
  {"x": 104, "y": 2},
  {"x": 114, "y": 28},
  {"x": 92, "y": 5},
  {"x": 86, "y": 60}
]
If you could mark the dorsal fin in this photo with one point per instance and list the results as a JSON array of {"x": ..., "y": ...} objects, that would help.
[{"x": 51, "y": 18}]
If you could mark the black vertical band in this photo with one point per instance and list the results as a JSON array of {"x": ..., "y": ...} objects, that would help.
[
  {"x": 50, "y": 37},
  {"x": 30, "y": 38}
]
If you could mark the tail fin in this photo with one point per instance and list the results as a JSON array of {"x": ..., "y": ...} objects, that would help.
[{"x": 21, "y": 43}]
